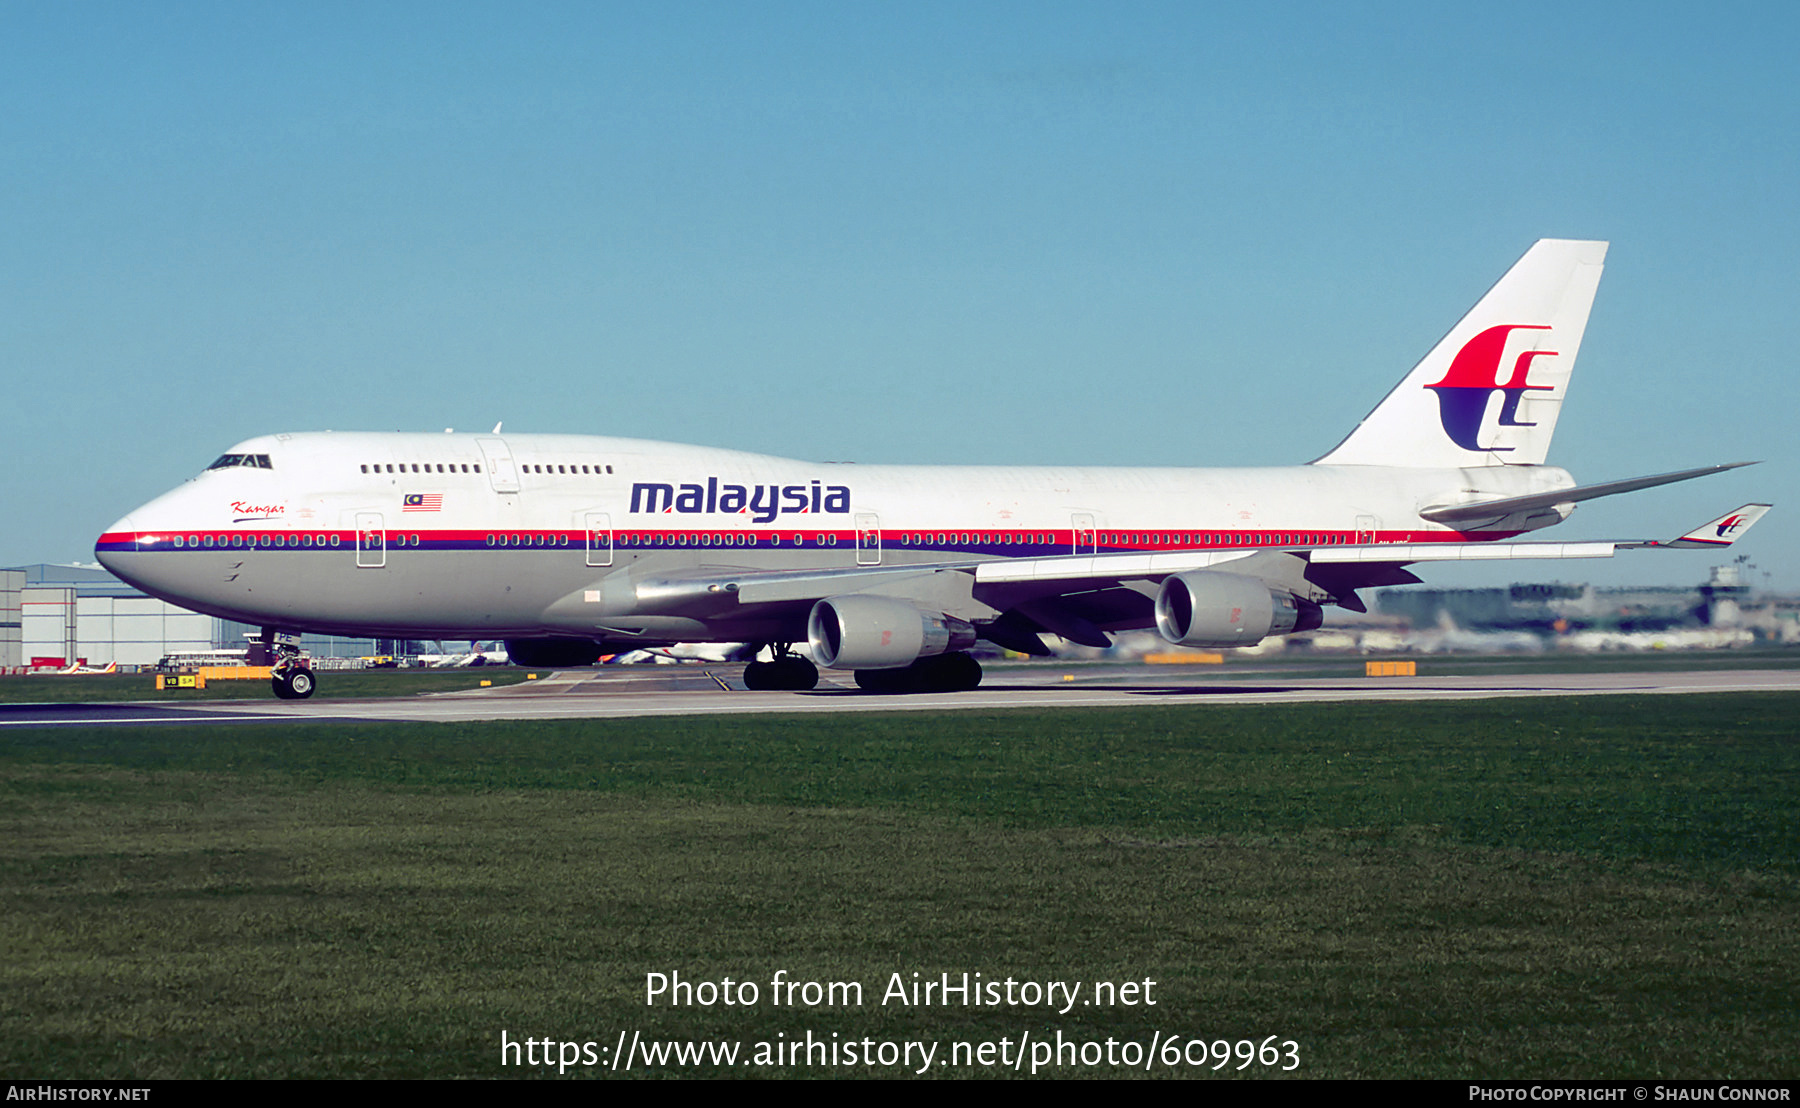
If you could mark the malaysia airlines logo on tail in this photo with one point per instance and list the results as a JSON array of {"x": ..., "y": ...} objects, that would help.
[
  {"x": 1473, "y": 379},
  {"x": 1725, "y": 530},
  {"x": 1489, "y": 392}
]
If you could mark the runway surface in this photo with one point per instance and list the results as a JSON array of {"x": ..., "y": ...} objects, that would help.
[{"x": 710, "y": 690}]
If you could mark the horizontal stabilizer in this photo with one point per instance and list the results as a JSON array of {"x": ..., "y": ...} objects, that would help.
[{"x": 1499, "y": 509}]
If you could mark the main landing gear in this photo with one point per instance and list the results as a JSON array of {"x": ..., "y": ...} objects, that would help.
[
  {"x": 788, "y": 672},
  {"x": 956, "y": 672}
]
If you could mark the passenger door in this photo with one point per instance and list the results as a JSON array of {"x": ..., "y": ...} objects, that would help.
[
  {"x": 1083, "y": 525},
  {"x": 371, "y": 541},
  {"x": 868, "y": 539},
  {"x": 502, "y": 473},
  {"x": 599, "y": 538}
]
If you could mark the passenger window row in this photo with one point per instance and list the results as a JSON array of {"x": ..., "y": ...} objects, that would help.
[
  {"x": 439, "y": 467},
  {"x": 377, "y": 468},
  {"x": 1129, "y": 539},
  {"x": 565, "y": 470},
  {"x": 1260, "y": 538},
  {"x": 273, "y": 538}
]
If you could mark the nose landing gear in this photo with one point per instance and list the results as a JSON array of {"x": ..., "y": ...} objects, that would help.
[{"x": 291, "y": 676}]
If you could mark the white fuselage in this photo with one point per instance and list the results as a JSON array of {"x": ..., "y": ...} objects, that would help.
[{"x": 482, "y": 536}]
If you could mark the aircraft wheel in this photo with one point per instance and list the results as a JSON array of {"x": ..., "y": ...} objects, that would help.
[
  {"x": 294, "y": 684},
  {"x": 954, "y": 673},
  {"x": 788, "y": 673},
  {"x": 942, "y": 673},
  {"x": 797, "y": 674},
  {"x": 902, "y": 680}
]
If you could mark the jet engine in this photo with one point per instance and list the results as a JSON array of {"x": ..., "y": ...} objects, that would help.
[
  {"x": 879, "y": 632},
  {"x": 1209, "y": 608},
  {"x": 553, "y": 653}
]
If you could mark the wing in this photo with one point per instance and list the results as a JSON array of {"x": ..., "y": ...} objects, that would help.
[
  {"x": 1084, "y": 597},
  {"x": 1322, "y": 574}
]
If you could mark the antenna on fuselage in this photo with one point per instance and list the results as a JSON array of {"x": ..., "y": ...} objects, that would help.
[{"x": 496, "y": 429}]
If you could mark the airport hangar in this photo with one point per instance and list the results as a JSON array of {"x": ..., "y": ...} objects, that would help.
[{"x": 54, "y": 616}]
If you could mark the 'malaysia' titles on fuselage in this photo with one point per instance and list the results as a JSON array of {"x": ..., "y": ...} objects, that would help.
[
  {"x": 480, "y": 535},
  {"x": 762, "y": 503}
]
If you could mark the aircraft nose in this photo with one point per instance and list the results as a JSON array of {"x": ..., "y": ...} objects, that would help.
[
  {"x": 125, "y": 529},
  {"x": 120, "y": 538}
]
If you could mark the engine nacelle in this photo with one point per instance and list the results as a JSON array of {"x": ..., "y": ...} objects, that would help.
[
  {"x": 879, "y": 632},
  {"x": 1209, "y": 608},
  {"x": 553, "y": 653}
]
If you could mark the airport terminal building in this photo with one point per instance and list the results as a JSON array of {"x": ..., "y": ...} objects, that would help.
[{"x": 61, "y": 615}]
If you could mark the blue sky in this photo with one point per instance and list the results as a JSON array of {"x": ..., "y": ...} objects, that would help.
[{"x": 1137, "y": 234}]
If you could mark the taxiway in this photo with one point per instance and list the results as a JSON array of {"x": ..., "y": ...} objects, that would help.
[{"x": 711, "y": 690}]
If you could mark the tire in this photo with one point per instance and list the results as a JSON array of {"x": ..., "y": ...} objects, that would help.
[
  {"x": 789, "y": 674},
  {"x": 941, "y": 673},
  {"x": 281, "y": 689},
  {"x": 301, "y": 683},
  {"x": 798, "y": 674},
  {"x": 954, "y": 673},
  {"x": 892, "y": 681}
]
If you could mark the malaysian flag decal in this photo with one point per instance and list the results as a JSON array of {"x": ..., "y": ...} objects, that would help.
[{"x": 422, "y": 502}]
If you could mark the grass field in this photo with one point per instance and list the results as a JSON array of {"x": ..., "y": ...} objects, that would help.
[{"x": 1600, "y": 887}]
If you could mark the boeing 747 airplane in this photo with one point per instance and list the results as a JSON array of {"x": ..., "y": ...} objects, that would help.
[{"x": 571, "y": 546}]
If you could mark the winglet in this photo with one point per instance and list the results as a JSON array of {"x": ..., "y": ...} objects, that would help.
[{"x": 1723, "y": 531}]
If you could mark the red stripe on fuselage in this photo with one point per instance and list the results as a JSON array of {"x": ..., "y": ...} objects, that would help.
[{"x": 638, "y": 538}]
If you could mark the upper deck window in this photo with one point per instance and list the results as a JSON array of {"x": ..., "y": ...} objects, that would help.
[{"x": 254, "y": 461}]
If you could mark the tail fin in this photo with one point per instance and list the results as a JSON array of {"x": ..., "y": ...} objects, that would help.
[{"x": 1489, "y": 392}]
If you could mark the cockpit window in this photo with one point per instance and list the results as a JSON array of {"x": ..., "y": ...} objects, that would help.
[{"x": 254, "y": 461}]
